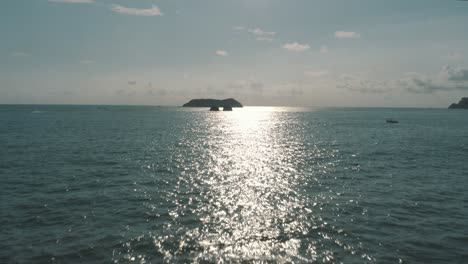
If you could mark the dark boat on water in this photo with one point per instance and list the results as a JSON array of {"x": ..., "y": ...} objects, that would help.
[
  {"x": 392, "y": 121},
  {"x": 227, "y": 108},
  {"x": 214, "y": 108}
]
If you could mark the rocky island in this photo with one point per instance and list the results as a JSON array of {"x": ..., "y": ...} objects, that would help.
[
  {"x": 463, "y": 104},
  {"x": 230, "y": 102}
]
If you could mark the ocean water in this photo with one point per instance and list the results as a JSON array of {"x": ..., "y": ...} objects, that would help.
[{"x": 117, "y": 184}]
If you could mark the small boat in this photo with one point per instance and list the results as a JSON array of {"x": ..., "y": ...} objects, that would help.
[
  {"x": 214, "y": 108},
  {"x": 227, "y": 108},
  {"x": 392, "y": 121}
]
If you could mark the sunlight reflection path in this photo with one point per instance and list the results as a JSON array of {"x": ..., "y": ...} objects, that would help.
[
  {"x": 253, "y": 205},
  {"x": 238, "y": 197}
]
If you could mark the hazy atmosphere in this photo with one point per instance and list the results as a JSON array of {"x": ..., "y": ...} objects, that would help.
[{"x": 263, "y": 52}]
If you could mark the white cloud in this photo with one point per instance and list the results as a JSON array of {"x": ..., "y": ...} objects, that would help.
[
  {"x": 260, "y": 32},
  {"x": 86, "y": 61},
  {"x": 222, "y": 53},
  {"x": 153, "y": 11},
  {"x": 324, "y": 49},
  {"x": 19, "y": 54},
  {"x": 294, "y": 46},
  {"x": 347, "y": 34},
  {"x": 74, "y": 1},
  {"x": 261, "y": 35}
]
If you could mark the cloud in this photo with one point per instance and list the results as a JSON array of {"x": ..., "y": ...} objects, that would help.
[
  {"x": 418, "y": 83},
  {"x": 356, "y": 84},
  {"x": 74, "y": 1},
  {"x": 261, "y": 35},
  {"x": 324, "y": 49},
  {"x": 19, "y": 54},
  {"x": 260, "y": 32},
  {"x": 347, "y": 35},
  {"x": 153, "y": 11},
  {"x": 455, "y": 74},
  {"x": 316, "y": 74},
  {"x": 448, "y": 79},
  {"x": 222, "y": 53},
  {"x": 296, "y": 47},
  {"x": 86, "y": 61}
]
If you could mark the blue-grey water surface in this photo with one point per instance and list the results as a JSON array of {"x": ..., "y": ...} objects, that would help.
[{"x": 121, "y": 184}]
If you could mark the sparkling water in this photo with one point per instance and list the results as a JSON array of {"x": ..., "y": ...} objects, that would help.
[{"x": 118, "y": 184}]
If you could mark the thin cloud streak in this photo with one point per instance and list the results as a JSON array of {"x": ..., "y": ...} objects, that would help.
[
  {"x": 296, "y": 47},
  {"x": 153, "y": 11},
  {"x": 261, "y": 35},
  {"x": 347, "y": 35},
  {"x": 260, "y": 32},
  {"x": 73, "y": 1}
]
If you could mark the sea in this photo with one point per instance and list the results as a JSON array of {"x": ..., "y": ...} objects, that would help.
[{"x": 147, "y": 184}]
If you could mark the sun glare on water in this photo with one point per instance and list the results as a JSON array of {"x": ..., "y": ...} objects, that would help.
[
  {"x": 240, "y": 199},
  {"x": 245, "y": 195}
]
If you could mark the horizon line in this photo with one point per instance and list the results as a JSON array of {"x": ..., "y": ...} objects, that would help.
[{"x": 159, "y": 105}]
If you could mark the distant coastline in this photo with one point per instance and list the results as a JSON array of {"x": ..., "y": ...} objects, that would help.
[{"x": 213, "y": 102}]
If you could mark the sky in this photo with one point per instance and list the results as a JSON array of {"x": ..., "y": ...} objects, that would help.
[{"x": 305, "y": 53}]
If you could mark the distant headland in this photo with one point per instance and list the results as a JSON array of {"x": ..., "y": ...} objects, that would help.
[
  {"x": 230, "y": 102},
  {"x": 463, "y": 104}
]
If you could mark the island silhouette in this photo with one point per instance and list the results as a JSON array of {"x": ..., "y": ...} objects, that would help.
[
  {"x": 228, "y": 103},
  {"x": 463, "y": 104}
]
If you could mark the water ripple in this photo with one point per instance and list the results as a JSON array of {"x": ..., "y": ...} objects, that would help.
[{"x": 242, "y": 188}]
